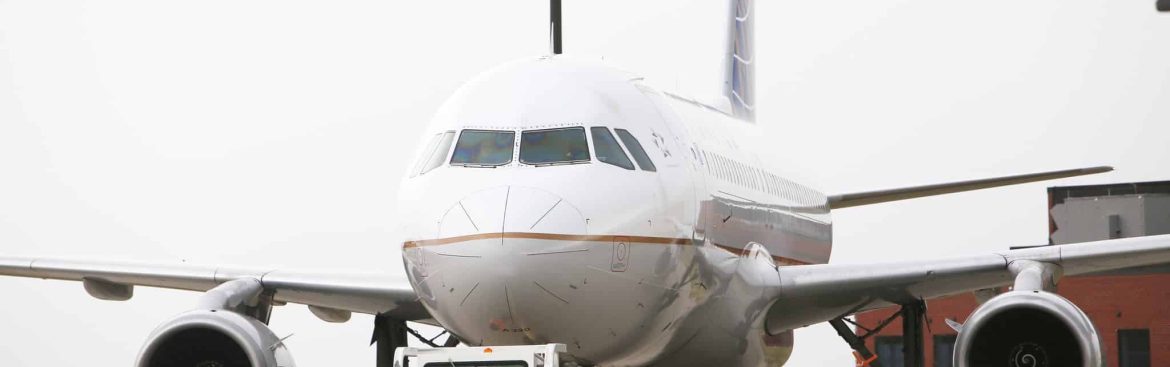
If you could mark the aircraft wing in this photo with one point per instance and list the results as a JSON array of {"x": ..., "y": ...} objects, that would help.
[
  {"x": 816, "y": 293},
  {"x": 370, "y": 293},
  {"x": 881, "y": 196}
]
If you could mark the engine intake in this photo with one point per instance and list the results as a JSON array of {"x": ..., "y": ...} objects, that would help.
[
  {"x": 214, "y": 338},
  {"x": 1028, "y": 329}
]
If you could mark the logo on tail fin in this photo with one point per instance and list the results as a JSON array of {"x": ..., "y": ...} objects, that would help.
[{"x": 740, "y": 83}]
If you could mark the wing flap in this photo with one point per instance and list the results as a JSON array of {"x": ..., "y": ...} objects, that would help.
[
  {"x": 881, "y": 196},
  {"x": 816, "y": 293}
]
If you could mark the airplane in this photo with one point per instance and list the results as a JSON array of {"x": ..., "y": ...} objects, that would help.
[{"x": 560, "y": 200}]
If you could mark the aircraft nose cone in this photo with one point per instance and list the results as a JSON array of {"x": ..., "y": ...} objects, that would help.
[
  {"x": 478, "y": 213},
  {"x": 532, "y": 210},
  {"x": 520, "y": 265},
  {"x": 485, "y": 276},
  {"x": 511, "y": 211}
]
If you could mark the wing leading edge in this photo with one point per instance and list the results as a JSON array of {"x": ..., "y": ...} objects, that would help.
[
  {"x": 370, "y": 293},
  {"x": 816, "y": 293}
]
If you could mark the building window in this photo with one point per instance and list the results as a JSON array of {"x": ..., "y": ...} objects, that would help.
[
  {"x": 889, "y": 350},
  {"x": 944, "y": 350},
  {"x": 1133, "y": 348}
]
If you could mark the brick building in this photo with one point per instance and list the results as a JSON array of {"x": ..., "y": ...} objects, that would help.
[{"x": 1129, "y": 308}]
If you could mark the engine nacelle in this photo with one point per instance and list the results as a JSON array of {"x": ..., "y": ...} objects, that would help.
[
  {"x": 214, "y": 338},
  {"x": 1028, "y": 329}
]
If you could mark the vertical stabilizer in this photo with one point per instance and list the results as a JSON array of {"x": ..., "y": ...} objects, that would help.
[
  {"x": 554, "y": 24},
  {"x": 739, "y": 83}
]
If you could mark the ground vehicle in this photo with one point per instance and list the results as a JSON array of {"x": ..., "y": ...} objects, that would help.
[{"x": 545, "y": 355}]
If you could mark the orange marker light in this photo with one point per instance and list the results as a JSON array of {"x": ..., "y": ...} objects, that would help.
[{"x": 487, "y": 350}]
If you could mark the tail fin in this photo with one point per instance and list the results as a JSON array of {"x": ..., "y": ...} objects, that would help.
[{"x": 739, "y": 81}]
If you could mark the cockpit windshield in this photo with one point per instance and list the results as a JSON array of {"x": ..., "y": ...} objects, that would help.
[
  {"x": 554, "y": 146},
  {"x": 484, "y": 148}
]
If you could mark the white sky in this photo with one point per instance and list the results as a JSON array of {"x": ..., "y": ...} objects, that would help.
[{"x": 275, "y": 132}]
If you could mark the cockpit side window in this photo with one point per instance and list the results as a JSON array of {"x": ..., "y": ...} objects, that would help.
[
  {"x": 554, "y": 146},
  {"x": 484, "y": 148},
  {"x": 607, "y": 149},
  {"x": 425, "y": 155},
  {"x": 439, "y": 155},
  {"x": 635, "y": 148}
]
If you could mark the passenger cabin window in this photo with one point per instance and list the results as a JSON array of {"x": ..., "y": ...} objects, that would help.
[
  {"x": 439, "y": 155},
  {"x": 722, "y": 168},
  {"x": 635, "y": 148},
  {"x": 717, "y": 162},
  {"x": 483, "y": 148},
  {"x": 554, "y": 146},
  {"x": 607, "y": 149}
]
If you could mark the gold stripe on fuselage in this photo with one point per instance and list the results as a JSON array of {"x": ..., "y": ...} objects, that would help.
[{"x": 633, "y": 240}]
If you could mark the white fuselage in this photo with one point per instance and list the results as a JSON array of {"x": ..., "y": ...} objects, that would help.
[{"x": 625, "y": 266}]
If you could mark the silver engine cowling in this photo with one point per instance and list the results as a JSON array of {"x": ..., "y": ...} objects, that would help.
[
  {"x": 214, "y": 338},
  {"x": 1028, "y": 329}
]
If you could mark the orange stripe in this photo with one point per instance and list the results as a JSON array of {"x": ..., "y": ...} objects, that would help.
[
  {"x": 551, "y": 236},
  {"x": 584, "y": 238}
]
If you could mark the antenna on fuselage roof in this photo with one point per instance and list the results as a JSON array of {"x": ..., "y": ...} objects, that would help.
[{"x": 554, "y": 20}]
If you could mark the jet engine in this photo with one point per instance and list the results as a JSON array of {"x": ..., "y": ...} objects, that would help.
[
  {"x": 214, "y": 338},
  {"x": 1028, "y": 328},
  {"x": 222, "y": 331}
]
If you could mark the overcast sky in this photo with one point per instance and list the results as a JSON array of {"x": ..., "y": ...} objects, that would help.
[{"x": 274, "y": 133}]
